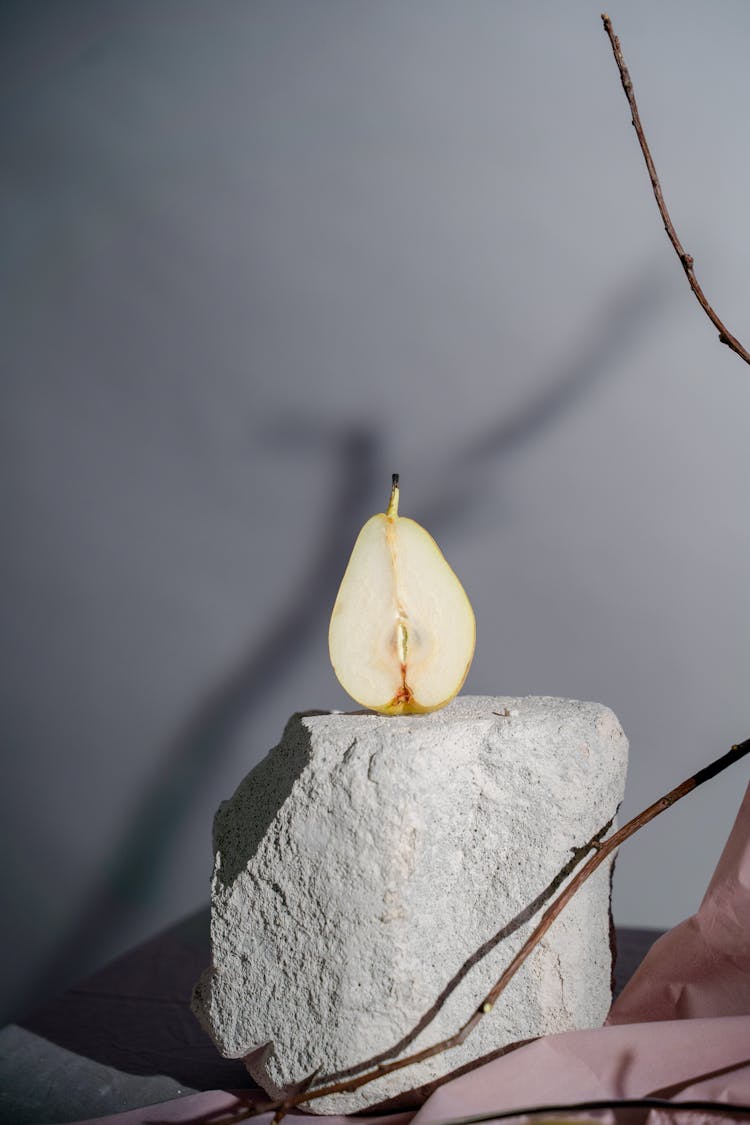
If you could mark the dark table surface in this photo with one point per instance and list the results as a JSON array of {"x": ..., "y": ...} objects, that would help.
[{"x": 126, "y": 1036}]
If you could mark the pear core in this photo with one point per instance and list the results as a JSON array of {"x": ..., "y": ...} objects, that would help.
[{"x": 402, "y": 631}]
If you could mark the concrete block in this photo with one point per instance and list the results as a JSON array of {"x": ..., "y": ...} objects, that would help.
[{"x": 365, "y": 859}]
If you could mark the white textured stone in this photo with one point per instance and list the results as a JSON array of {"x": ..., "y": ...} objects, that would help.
[{"x": 366, "y": 857}]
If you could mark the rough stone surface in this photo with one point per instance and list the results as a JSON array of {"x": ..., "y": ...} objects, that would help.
[{"x": 366, "y": 857}]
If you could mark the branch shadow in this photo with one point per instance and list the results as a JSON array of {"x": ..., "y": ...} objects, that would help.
[
  {"x": 628, "y": 311},
  {"x": 137, "y": 862}
]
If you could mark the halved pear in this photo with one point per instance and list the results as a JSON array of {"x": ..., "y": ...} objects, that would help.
[{"x": 402, "y": 631}]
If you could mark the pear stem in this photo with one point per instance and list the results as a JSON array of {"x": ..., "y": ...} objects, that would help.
[{"x": 392, "y": 510}]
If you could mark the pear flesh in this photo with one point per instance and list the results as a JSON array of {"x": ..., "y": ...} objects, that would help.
[{"x": 402, "y": 631}]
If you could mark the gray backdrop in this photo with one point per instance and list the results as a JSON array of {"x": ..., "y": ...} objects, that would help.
[{"x": 257, "y": 256}]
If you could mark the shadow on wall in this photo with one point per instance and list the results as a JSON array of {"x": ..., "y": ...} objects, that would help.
[
  {"x": 134, "y": 870},
  {"x": 137, "y": 866}
]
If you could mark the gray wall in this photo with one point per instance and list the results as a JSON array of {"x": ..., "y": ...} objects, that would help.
[{"x": 257, "y": 256}]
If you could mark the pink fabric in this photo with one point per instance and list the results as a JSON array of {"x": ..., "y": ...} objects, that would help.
[
  {"x": 701, "y": 967},
  {"x": 680, "y": 1031},
  {"x": 702, "y": 1060}
]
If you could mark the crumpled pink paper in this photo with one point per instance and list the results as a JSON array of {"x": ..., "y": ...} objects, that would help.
[{"x": 679, "y": 1033}]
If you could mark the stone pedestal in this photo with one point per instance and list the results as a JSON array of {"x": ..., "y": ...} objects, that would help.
[{"x": 366, "y": 858}]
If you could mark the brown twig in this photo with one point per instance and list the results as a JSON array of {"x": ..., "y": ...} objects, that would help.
[
  {"x": 604, "y": 849},
  {"x": 725, "y": 336}
]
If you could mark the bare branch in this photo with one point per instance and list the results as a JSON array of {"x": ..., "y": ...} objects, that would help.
[{"x": 725, "y": 336}]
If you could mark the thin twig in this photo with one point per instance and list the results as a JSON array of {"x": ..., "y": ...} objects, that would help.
[
  {"x": 725, "y": 336},
  {"x": 605, "y": 849},
  {"x": 564, "y": 1110}
]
